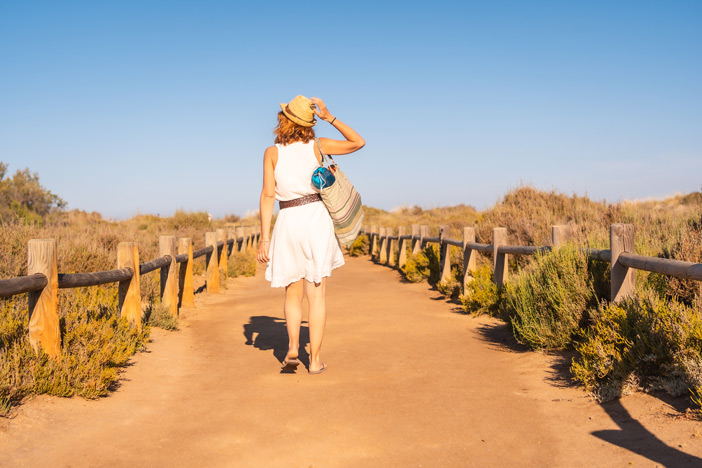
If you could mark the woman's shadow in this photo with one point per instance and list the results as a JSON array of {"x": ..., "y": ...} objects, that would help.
[{"x": 264, "y": 333}]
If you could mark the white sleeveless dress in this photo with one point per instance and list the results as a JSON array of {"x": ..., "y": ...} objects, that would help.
[{"x": 303, "y": 244}]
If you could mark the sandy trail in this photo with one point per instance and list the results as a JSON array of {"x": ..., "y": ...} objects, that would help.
[{"x": 410, "y": 383}]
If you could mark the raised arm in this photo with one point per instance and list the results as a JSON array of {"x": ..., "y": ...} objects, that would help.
[
  {"x": 270, "y": 158},
  {"x": 354, "y": 141}
]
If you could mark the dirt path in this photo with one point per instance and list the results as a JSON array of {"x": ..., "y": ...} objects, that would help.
[{"x": 410, "y": 384}]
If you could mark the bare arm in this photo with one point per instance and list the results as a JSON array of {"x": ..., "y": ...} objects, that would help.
[
  {"x": 270, "y": 158},
  {"x": 354, "y": 141}
]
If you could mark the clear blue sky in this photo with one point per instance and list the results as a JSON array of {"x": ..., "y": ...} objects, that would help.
[{"x": 148, "y": 106}]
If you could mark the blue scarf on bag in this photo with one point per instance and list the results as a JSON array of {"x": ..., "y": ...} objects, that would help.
[{"x": 322, "y": 178}]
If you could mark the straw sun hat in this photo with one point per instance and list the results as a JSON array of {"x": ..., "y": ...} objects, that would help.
[{"x": 300, "y": 110}]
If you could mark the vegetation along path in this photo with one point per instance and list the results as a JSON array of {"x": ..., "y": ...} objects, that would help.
[{"x": 410, "y": 383}]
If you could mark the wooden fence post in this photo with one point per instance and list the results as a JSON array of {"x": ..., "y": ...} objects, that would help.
[
  {"x": 401, "y": 247},
  {"x": 560, "y": 234},
  {"x": 211, "y": 260},
  {"x": 186, "y": 290},
  {"x": 240, "y": 235},
  {"x": 249, "y": 238},
  {"x": 621, "y": 238},
  {"x": 382, "y": 250},
  {"x": 389, "y": 257},
  {"x": 222, "y": 261},
  {"x": 469, "y": 256},
  {"x": 44, "y": 328},
  {"x": 169, "y": 279},
  {"x": 423, "y": 233},
  {"x": 416, "y": 243},
  {"x": 231, "y": 234},
  {"x": 373, "y": 240},
  {"x": 444, "y": 253},
  {"x": 500, "y": 261},
  {"x": 129, "y": 291}
]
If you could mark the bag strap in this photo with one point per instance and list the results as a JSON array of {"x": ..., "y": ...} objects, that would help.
[{"x": 319, "y": 146}]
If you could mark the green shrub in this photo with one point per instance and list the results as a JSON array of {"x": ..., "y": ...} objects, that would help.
[
  {"x": 360, "y": 246},
  {"x": 451, "y": 288},
  {"x": 645, "y": 341},
  {"x": 416, "y": 267},
  {"x": 96, "y": 342},
  {"x": 424, "y": 265},
  {"x": 696, "y": 396},
  {"x": 199, "y": 220},
  {"x": 546, "y": 302},
  {"x": 686, "y": 246},
  {"x": 159, "y": 316},
  {"x": 599, "y": 273},
  {"x": 481, "y": 295},
  {"x": 242, "y": 264},
  {"x": 431, "y": 251},
  {"x": 23, "y": 197}
]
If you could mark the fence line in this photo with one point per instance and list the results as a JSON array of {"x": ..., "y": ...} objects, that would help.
[
  {"x": 43, "y": 281},
  {"x": 621, "y": 255}
]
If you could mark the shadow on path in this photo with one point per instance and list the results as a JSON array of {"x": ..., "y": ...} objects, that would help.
[
  {"x": 499, "y": 336},
  {"x": 266, "y": 333},
  {"x": 633, "y": 436},
  {"x": 559, "y": 374}
]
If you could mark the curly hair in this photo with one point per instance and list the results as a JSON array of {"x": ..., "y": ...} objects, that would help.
[{"x": 287, "y": 131}]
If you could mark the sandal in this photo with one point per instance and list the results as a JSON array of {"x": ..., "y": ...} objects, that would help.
[
  {"x": 320, "y": 370},
  {"x": 290, "y": 364}
]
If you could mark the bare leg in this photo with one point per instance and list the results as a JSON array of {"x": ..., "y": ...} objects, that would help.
[
  {"x": 318, "y": 316},
  {"x": 293, "y": 316}
]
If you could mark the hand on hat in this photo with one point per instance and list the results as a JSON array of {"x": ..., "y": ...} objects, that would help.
[{"x": 323, "y": 113}]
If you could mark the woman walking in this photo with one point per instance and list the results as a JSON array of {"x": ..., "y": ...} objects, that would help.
[{"x": 303, "y": 250}]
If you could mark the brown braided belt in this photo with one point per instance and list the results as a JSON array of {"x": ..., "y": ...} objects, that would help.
[{"x": 314, "y": 197}]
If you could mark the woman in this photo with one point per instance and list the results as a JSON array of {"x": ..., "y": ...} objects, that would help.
[{"x": 303, "y": 249}]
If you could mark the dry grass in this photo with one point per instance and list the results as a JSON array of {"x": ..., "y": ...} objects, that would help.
[
  {"x": 643, "y": 342},
  {"x": 547, "y": 301},
  {"x": 86, "y": 242},
  {"x": 550, "y": 300},
  {"x": 96, "y": 341},
  {"x": 455, "y": 216}
]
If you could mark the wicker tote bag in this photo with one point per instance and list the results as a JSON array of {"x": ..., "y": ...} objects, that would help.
[{"x": 343, "y": 202}]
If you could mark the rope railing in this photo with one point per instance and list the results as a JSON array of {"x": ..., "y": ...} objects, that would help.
[
  {"x": 623, "y": 261},
  {"x": 43, "y": 280}
]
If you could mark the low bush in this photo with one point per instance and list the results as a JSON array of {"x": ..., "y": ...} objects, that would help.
[
  {"x": 424, "y": 265},
  {"x": 360, "y": 246},
  {"x": 242, "y": 264},
  {"x": 159, "y": 316},
  {"x": 546, "y": 302},
  {"x": 416, "y": 267},
  {"x": 481, "y": 295},
  {"x": 599, "y": 273},
  {"x": 451, "y": 288},
  {"x": 198, "y": 220},
  {"x": 642, "y": 342},
  {"x": 431, "y": 251},
  {"x": 687, "y": 246},
  {"x": 96, "y": 343}
]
